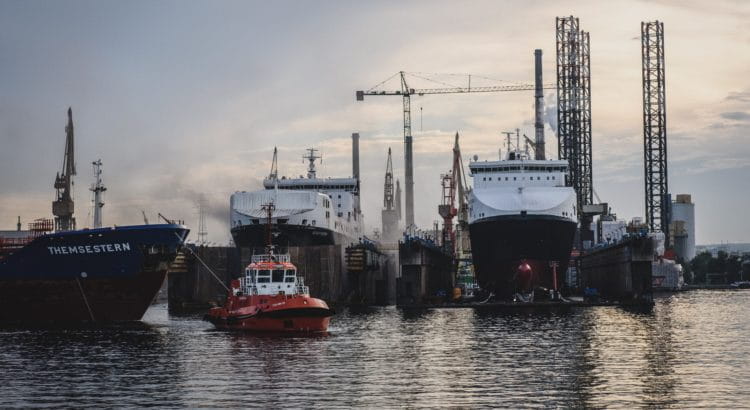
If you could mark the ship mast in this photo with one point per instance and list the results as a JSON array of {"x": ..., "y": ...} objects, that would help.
[
  {"x": 274, "y": 166},
  {"x": 311, "y": 157},
  {"x": 63, "y": 206},
  {"x": 269, "y": 208},
  {"x": 98, "y": 189}
]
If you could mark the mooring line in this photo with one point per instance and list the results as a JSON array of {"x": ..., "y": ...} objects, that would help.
[
  {"x": 204, "y": 265},
  {"x": 85, "y": 300}
]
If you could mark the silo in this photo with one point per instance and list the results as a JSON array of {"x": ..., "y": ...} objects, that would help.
[{"x": 683, "y": 218}]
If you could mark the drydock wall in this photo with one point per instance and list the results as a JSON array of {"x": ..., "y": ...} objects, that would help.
[
  {"x": 192, "y": 287},
  {"x": 426, "y": 273},
  {"x": 620, "y": 272}
]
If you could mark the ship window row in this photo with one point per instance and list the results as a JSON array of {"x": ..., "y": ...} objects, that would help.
[
  {"x": 275, "y": 275},
  {"x": 522, "y": 178},
  {"x": 320, "y": 187},
  {"x": 519, "y": 168}
]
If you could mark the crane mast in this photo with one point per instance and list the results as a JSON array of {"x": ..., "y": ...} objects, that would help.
[
  {"x": 63, "y": 206},
  {"x": 408, "y": 155}
]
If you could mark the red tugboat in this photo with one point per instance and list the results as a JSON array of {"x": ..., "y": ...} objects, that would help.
[{"x": 271, "y": 297}]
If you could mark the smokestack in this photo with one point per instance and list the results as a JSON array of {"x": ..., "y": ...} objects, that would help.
[
  {"x": 355, "y": 169},
  {"x": 355, "y": 155},
  {"x": 539, "y": 106}
]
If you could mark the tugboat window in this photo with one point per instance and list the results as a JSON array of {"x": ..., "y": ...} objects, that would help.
[
  {"x": 278, "y": 275},
  {"x": 264, "y": 276}
]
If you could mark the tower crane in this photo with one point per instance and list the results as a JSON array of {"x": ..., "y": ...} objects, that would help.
[{"x": 405, "y": 93}]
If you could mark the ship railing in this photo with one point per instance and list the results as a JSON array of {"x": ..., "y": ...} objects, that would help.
[
  {"x": 271, "y": 258},
  {"x": 301, "y": 288}
]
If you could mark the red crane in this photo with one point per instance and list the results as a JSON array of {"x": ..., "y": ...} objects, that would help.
[{"x": 447, "y": 209}]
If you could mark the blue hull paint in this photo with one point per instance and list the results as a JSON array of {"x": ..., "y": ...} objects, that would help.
[
  {"x": 107, "y": 274},
  {"x": 99, "y": 253}
]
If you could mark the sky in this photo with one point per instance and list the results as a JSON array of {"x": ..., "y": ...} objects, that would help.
[{"x": 184, "y": 101}]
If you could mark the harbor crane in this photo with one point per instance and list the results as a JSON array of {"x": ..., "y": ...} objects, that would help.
[
  {"x": 63, "y": 206},
  {"x": 455, "y": 203},
  {"x": 406, "y": 92}
]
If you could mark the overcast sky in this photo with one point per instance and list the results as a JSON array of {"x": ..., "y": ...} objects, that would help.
[{"x": 186, "y": 99}]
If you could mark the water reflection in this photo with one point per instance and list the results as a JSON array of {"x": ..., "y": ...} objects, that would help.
[{"x": 690, "y": 351}]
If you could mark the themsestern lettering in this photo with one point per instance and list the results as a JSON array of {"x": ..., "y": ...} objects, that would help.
[{"x": 87, "y": 249}]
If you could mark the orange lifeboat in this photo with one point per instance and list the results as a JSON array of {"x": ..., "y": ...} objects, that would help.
[{"x": 270, "y": 297}]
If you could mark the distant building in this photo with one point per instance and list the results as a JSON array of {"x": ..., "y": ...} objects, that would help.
[{"x": 682, "y": 227}]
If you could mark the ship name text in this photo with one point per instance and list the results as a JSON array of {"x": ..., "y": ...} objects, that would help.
[{"x": 86, "y": 249}]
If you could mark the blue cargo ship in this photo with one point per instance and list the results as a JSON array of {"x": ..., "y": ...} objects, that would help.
[
  {"x": 105, "y": 274},
  {"x": 55, "y": 272}
]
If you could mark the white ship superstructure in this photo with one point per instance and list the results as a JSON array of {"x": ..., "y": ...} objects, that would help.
[
  {"x": 519, "y": 185},
  {"x": 307, "y": 211}
]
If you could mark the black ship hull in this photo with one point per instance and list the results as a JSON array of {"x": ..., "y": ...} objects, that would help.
[
  {"x": 501, "y": 244},
  {"x": 254, "y": 236},
  {"x": 79, "y": 300}
]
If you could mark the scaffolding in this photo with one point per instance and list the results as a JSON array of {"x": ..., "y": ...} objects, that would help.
[
  {"x": 655, "y": 128},
  {"x": 574, "y": 106},
  {"x": 574, "y": 114}
]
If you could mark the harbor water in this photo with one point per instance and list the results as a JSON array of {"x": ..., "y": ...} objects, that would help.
[{"x": 692, "y": 350}]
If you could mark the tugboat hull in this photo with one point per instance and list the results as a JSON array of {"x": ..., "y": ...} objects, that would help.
[{"x": 278, "y": 313}]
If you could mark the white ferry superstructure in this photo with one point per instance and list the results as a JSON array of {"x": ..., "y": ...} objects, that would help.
[{"x": 307, "y": 211}]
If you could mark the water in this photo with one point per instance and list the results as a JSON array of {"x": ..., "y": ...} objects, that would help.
[{"x": 691, "y": 351}]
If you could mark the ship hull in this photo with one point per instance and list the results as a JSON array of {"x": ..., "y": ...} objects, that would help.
[
  {"x": 255, "y": 236},
  {"x": 501, "y": 244},
  {"x": 99, "y": 275},
  {"x": 273, "y": 313},
  {"x": 77, "y": 300}
]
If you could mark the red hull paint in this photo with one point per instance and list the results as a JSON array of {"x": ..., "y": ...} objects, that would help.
[{"x": 276, "y": 313}]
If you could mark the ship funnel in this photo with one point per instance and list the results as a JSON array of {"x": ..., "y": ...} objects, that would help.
[
  {"x": 355, "y": 155},
  {"x": 539, "y": 106}
]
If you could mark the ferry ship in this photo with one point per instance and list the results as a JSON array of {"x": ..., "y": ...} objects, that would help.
[
  {"x": 308, "y": 211},
  {"x": 522, "y": 222}
]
